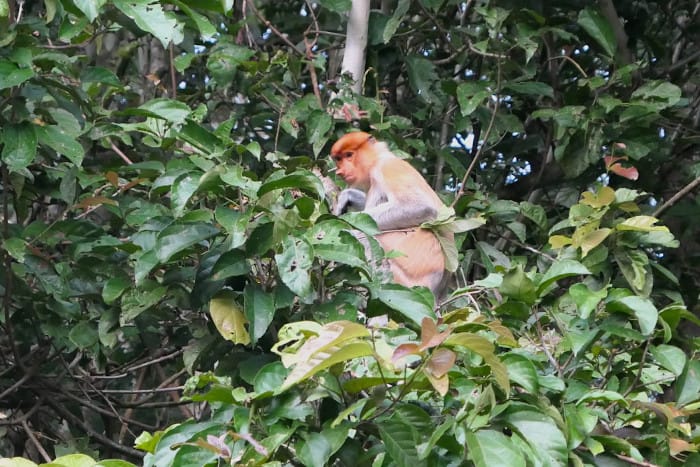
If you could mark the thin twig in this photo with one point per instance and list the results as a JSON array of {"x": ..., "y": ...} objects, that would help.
[
  {"x": 35, "y": 441},
  {"x": 487, "y": 133},
  {"x": 119, "y": 152},
  {"x": 684, "y": 191}
]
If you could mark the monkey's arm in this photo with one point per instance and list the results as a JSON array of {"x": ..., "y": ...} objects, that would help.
[{"x": 349, "y": 200}]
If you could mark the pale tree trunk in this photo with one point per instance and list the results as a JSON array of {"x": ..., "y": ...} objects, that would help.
[{"x": 356, "y": 43}]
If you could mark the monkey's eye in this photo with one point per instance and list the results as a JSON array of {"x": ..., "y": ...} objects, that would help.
[{"x": 347, "y": 155}]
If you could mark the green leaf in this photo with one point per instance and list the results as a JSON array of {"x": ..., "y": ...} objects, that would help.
[
  {"x": 72, "y": 460},
  {"x": 643, "y": 309},
  {"x": 96, "y": 74},
  {"x": 182, "y": 190},
  {"x": 167, "y": 109},
  {"x": 114, "y": 287},
  {"x": 485, "y": 446},
  {"x": 531, "y": 88},
  {"x": 670, "y": 357},
  {"x": 541, "y": 433},
  {"x": 259, "y": 309},
  {"x": 224, "y": 59},
  {"x": 393, "y": 23},
  {"x": 228, "y": 318},
  {"x": 522, "y": 371},
  {"x": 294, "y": 265},
  {"x": 400, "y": 440},
  {"x": 516, "y": 284},
  {"x": 318, "y": 448},
  {"x": 339, "y": 6},
  {"x": 599, "y": 29},
  {"x": 336, "y": 342},
  {"x": 470, "y": 95},
  {"x": 60, "y": 141},
  {"x": 136, "y": 301},
  {"x": 90, "y": 8},
  {"x": 301, "y": 180},
  {"x": 688, "y": 384},
  {"x": 150, "y": 17},
  {"x": 586, "y": 300},
  {"x": 84, "y": 335},
  {"x": 481, "y": 346},
  {"x": 206, "y": 29},
  {"x": 19, "y": 145},
  {"x": 561, "y": 269},
  {"x": 317, "y": 128},
  {"x": 409, "y": 302},
  {"x": 178, "y": 237},
  {"x": 230, "y": 264},
  {"x": 422, "y": 75},
  {"x": 11, "y": 75}
]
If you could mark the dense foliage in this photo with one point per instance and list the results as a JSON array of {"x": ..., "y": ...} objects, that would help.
[{"x": 175, "y": 290}]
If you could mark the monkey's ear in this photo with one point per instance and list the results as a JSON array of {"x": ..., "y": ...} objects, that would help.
[{"x": 371, "y": 139}]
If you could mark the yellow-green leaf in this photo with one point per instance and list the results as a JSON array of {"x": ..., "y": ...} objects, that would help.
[
  {"x": 593, "y": 239},
  {"x": 642, "y": 224},
  {"x": 229, "y": 319},
  {"x": 559, "y": 241},
  {"x": 604, "y": 197}
]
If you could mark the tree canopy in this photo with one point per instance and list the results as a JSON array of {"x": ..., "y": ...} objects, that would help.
[{"x": 176, "y": 291}]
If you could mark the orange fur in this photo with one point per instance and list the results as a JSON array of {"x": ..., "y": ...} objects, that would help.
[{"x": 398, "y": 198}]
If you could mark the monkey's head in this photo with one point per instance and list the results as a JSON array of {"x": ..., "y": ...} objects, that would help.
[{"x": 354, "y": 156}]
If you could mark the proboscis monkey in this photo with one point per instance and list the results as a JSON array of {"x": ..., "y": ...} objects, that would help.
[{"x": 399, "y": 200}]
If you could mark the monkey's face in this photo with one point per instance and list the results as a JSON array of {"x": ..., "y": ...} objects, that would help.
[{"x": 353, "y": 158}]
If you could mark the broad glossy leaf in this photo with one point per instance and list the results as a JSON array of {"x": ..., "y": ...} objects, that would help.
[
  {"x": 339, "y": 6},
  {"x": 470, "y": 95},
  {"x": 332, "y": 346},
  {"x": 167, "y": 109},
  {"x": 178, "y": 237},
  {"x": 586, "y": 300},
  {"x": 150, "y": 17},
  {"x": 228, "y": 318},
  {"x": 516, "y": 284},
  {"x": 522, "y": 371},
  {"x": 487, "y": 446},
  {"x": 294, "y": 265},
  {"x": 642, "y": 308},
  {"x": 670, "y": 357},
  {"x": 318, "y": 447},
  {"x": 400, "y": 440},
  {"x": 421, "y": 76},
  {"x": 531, "y": 88},
  {"x": 11, "y": 75},
  {"x": 688, "y": 384},
  {"x": 440, "y": 362},
  {"x": 393, "y": 23},
  {"x": 60, "y": 141},
  {"x": 230, "y": 264},
  {"x": 19, "y": 145},
  {"x": 206, "y": 29},
  {"x": 182, "y": 190},
  {"x": 259, "y": 309},
  {"x": 84, "y": 335},
  {"x": 599, "y": 29},
  {"x": 561, "y": 269},
  {"x": 96, "y": 74},
  {"x": 114, "y": 287},
  {"x": 540, "y": 431},
  {"x": 90, "y": 8},
  {"x": 481, "y": 346},
  {"x": 411, "y": 303},
  {"x": 137, "y": 300},
  {"x": 301, "y": 180},
  {"x": 641, "y": 224}
]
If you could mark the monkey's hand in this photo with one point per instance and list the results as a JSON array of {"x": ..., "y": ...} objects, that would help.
[{"x": 350, "y": 200}]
